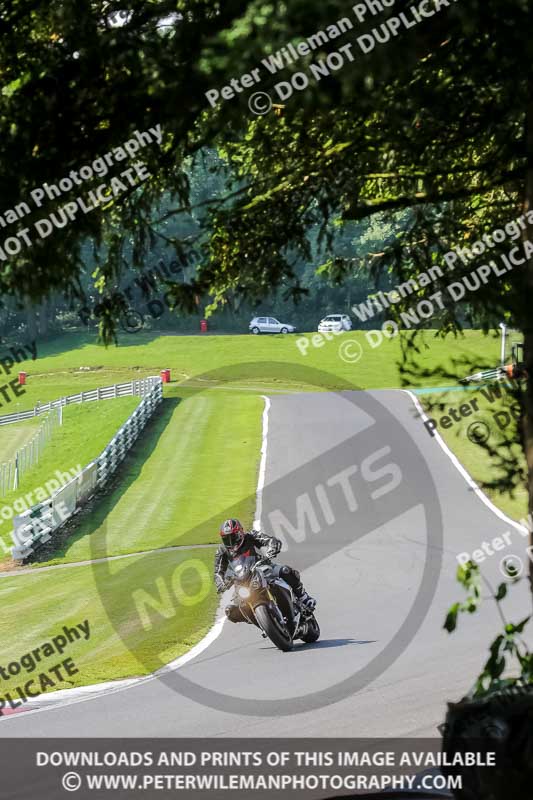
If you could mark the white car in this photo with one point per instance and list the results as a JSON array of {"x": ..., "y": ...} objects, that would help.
[
  {"x": 335, "y": 322},
  {"x": 269, "y": 325}
]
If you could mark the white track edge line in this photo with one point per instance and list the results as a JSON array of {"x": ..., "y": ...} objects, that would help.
[
  {"x": 77, "y": 695},
  {"x": 466, "y": 475},
  {"x": 262, "y": 465}
]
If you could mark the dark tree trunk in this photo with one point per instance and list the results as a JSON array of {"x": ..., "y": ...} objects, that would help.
[
  {"x": 43, "y": 318},
  {"x": 31, "y": 318},
  {"x": 527, "y": 323}
]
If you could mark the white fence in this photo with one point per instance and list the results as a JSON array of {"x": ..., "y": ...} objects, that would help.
[
  {"x": 138, "y": 387},
  {"x": 12, "y": 471},
  {"x": 38, "y": 524}
]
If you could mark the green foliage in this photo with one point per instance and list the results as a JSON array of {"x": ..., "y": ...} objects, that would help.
[
  {"x": 508, "y": 652},
  {"x": 433, "y": 122}
]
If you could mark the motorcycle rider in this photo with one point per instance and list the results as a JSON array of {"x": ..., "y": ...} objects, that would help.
[{"x": 236, "y": 542}]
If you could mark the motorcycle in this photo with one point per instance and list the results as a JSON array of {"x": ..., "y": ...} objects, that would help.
[{"x": 268, "y": 602}]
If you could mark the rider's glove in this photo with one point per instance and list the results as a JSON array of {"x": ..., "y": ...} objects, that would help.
[{"x": 273, "y": 548}]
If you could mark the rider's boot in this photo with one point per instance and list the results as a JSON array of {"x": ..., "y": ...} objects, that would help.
[{"x": 306, "y": 600}]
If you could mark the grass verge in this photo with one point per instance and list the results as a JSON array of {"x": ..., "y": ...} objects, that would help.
[
  {"x": 15, "y": 436},
  {"x": 195, "y": 465},
  {"x": 119, "y": 645},
  {"x": 86, "y": 430},
  {"x": 479, "y": 426}
]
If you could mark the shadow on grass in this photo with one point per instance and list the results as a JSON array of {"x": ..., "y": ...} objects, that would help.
[
  {"x": 92, "y": 517},
  {"x": 57, "y": 344}
]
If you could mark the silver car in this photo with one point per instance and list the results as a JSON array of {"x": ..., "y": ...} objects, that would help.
[
  {"x": 336, "y": 323},
  {"x": 269, "y": 325}
]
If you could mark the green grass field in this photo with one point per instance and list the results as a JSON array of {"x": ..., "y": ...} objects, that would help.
[
  {"x": 86, "y": 430},
  {"x": 195, "y": 464},
  {"x": 262, "y": 361},
  {"x": 13, "y": 437},
  {"x": 49, "y": 600}
]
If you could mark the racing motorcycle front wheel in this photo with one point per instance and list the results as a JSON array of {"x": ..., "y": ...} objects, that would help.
[{"x": 277, "y": 633}]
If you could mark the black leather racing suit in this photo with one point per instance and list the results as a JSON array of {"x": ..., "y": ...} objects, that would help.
[{"x": 253, "y": 540}]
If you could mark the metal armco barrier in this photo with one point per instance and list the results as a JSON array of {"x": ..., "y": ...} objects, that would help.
[
  {"x": 38, "y": 524},
  {"x": 103, "y": 393}
]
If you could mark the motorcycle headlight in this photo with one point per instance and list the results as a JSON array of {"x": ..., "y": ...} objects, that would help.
[{"x": 244, "y": 592}]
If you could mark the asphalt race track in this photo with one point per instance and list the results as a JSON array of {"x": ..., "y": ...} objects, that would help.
[{"x": 374, "y": 490}]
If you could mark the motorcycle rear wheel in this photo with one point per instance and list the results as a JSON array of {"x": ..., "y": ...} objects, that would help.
[
  {"x": 313, "y": 631},
  {"x": 273, "y": 629}
]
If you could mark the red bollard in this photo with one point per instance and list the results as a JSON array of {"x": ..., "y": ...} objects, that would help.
[
  {"x": 165, "y": 375},
  {"x": 22, "y": 378},
  {"x": 203, "y": 325}
]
